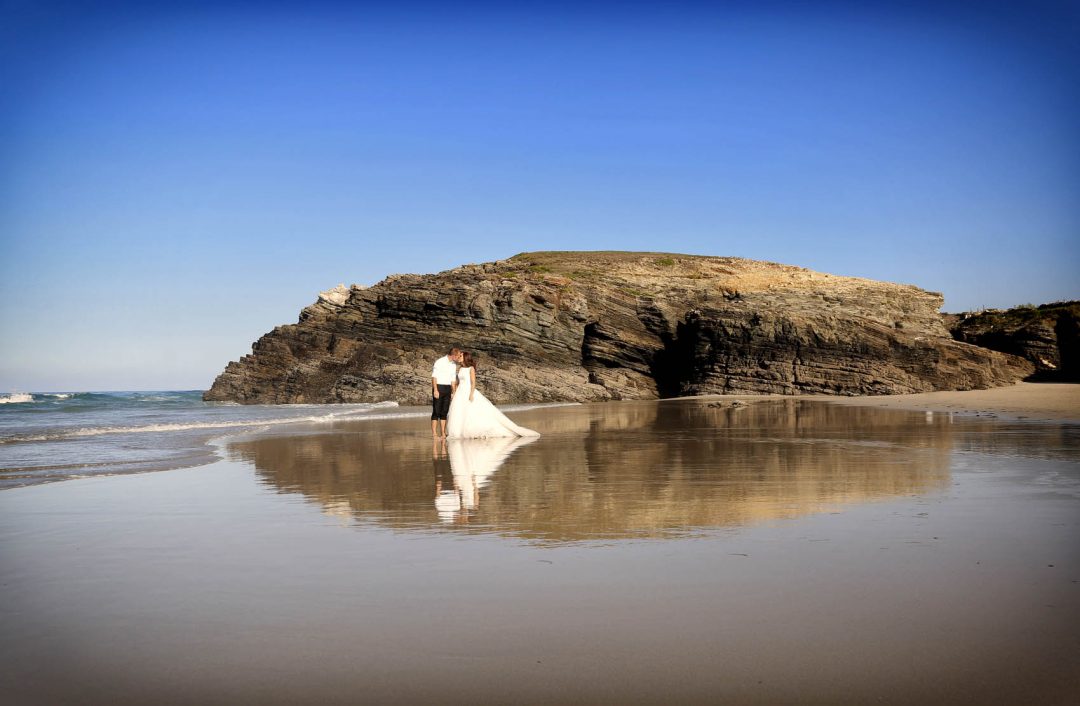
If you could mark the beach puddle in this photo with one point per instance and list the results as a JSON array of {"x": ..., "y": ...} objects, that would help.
[{"x": 631, "y": 470}]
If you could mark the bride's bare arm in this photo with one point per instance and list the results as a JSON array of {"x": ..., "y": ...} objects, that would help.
[{"x": 472, "y": 380}]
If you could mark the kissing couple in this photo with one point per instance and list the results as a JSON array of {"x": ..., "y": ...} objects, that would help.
[{"x": 458, "y": 409}]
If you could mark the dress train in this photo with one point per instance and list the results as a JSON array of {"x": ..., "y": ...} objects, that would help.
[{"x": 478, "y": 418}]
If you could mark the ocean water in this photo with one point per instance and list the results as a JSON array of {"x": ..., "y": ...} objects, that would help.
[{"x": 54, "y": 436}]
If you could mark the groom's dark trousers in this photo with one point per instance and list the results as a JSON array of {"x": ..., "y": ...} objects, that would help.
[{"x": 441, "y": 405}]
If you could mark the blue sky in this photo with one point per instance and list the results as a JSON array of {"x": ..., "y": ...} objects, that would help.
[{"x": 175, "y": 182}]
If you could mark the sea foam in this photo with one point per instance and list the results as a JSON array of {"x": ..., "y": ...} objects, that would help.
[{"x": 364, "y": 411}]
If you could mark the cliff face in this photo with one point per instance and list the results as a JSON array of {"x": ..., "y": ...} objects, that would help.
[
  {"x": 580, "y": 326},
  {"x": 1048, "y": 336}
]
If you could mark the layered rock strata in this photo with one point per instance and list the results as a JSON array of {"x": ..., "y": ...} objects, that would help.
[
  {"x": 585, "y": 326},
  {"x": 1048, "y": 336}
]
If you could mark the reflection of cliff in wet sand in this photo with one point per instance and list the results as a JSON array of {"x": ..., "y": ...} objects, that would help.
[{"x": 619, "y": 470}]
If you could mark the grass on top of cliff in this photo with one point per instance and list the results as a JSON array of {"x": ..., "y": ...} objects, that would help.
[
  {"x": 660, "y": 270},
  {"x": 612, "y": 266},
  {"x": 591, "y": 264},
  {"x": 562, "y": 258},
  {"x": 655, "y": 273},
  {"x": 1016, "y": 317}
]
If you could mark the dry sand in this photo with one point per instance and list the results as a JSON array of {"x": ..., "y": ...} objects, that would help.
[
  {"x": 1056, "y": 402},
  {"x": 1025, "y": 400}
]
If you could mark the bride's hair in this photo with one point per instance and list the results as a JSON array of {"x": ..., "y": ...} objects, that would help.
[{"x": 467, "y": 360}]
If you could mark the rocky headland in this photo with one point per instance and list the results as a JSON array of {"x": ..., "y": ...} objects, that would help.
[
  {"x": 589, "y": 326},
  {"x": 1048, "y": 336}
]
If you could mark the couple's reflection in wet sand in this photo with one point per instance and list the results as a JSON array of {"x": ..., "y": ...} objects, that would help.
[
  {"x": 620, "y": 470},
  {"x": 463, "y": 467}
]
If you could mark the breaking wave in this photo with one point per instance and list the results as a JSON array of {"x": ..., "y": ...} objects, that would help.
[{"x": 69, "y": 433}]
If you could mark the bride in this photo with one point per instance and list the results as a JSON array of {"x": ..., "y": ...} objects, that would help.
[{"x": 472, "y": 415}]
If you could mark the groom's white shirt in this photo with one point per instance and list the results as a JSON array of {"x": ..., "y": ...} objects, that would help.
[{"x": 444, "y": 371}]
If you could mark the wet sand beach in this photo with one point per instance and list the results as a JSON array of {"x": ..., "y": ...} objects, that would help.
[{"x": 786, "y": 551}]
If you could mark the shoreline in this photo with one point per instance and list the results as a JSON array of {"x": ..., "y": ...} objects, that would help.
[{"x": 1024, "y": 401}]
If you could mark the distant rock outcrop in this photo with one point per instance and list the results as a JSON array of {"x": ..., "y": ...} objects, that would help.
[
  {"x": 582, "y": 326},
  {"x": 1048, "y": 336}
]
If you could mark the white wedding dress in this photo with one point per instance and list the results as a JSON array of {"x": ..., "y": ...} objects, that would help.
[{"x": 479, "y": 418}]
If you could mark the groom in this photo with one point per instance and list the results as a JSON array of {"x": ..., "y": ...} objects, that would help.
[{"x": 443, "y": 384}]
